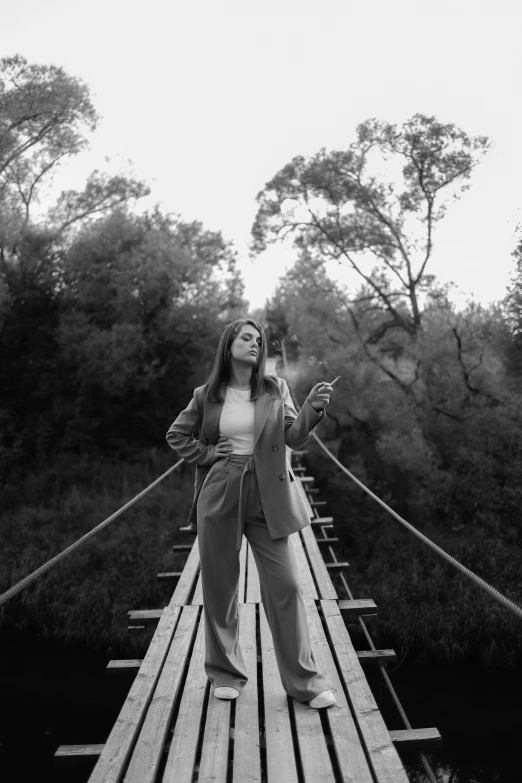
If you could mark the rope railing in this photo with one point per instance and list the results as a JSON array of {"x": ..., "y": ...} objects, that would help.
[
  {"x": 481, "y": 582},
  {"x": 492, "y": 591},
  {"x": 506, "y": 602},
  {"x": 39, "y": 572}
]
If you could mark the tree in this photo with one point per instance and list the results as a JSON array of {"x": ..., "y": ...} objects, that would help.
[
  {"x": 337, "y": 209},
  {"x": 513, "y": 306},
  {"x": 43, "y": 115},
  {"x": 144, "y": 300}
]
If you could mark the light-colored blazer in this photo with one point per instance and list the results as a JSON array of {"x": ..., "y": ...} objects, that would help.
[{"x": 276, "y": 425}]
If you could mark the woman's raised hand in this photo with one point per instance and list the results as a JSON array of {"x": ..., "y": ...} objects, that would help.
[{"x": 319, "y": 396}]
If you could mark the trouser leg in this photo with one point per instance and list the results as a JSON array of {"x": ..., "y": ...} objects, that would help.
[
  {"x": 217, "y": 530},
  {"x": 283, "y": 602}
]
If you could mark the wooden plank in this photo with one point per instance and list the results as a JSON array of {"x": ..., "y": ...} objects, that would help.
[
  {"x": 338, "y": 566},
  {"x": 146, "y": 756},
  {"x": 306, "y": 480},
  {"x": 326, "y": 521},
  {"x": 324, "y": 582},
  {"x": 214, "y": 754},
  {"x": 349, "y": 753},
  {"x": 385, "y": 760},
  {"x": 168, "y": 576},
  {"x": 313, "y": 751},
  {"x": 315, "y": 759},
  {"x": 117, "y": 749},
  {"x": 124, "y": 665},
  {"x": 307, "y": 581},
  {"x": 280, "y": 758},
  {"x": 186, "y": 581},
  {"x": 182, "y": 547},
  {"x": 371, "y": 657},
  {"x": 315, "y": 503},
  {"x": 180, "y": 766},
  {"x": 242, "y": 569},
  {"x": 145, "y": 616},
  {"x": 357, "y": 606},
  {"x": 417, "y": 739},
  {"x": 247, "y": 758},
  {"x": 299, "y": 453},
  {"x": 197, "y": 598},
  {"x": 253, "y": 595},
  {"x": 73, "y": 753},
  {"x": 326, "y": 540},
  {"x": 182, "y": 752}
]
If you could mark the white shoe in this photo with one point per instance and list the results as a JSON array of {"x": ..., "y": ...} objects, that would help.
[
  {"x": 325, "y": 699},
  {"x": 224, "y": 692}
]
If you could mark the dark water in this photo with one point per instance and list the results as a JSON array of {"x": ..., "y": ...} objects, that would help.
[
  {"x": 477, "y": 712},
  {"x": 51, "y": 696}
]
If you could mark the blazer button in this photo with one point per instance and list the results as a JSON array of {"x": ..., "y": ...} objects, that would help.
[
  {"x": 282, "y": 477},
  {"x": 275, "y": 448}
]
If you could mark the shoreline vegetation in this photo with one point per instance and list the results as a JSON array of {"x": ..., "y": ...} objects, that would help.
[
  {"x": 109, "y": 319},
  {"x": 427, "y": 610}
]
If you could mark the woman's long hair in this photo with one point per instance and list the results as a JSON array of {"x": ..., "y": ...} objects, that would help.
[{"x": 215, "y": 386}]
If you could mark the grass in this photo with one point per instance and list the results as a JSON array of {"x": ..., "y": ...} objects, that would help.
[
  {"x": 425, "y": 607},
  {"x": 85, "y": 597}
]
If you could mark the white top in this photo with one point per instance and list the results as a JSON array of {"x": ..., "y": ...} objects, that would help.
[{"x": 237, "y": 420}]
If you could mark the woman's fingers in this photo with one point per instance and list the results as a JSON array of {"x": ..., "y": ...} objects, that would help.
[{"x": 224, "y": 445}]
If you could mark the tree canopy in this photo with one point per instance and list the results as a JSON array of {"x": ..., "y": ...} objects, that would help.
[
  {"x": 108, "y": 320},
  {"x": 338, "y": 205}
]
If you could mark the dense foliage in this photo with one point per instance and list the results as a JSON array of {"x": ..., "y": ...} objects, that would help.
[
  {"x": 441, "y": 444},
  {"x": 108, "y": 320}
]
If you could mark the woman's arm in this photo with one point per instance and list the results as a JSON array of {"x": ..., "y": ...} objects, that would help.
[
  {"x": 180, "y": 436},
  {"x": 299, "y": 426}
]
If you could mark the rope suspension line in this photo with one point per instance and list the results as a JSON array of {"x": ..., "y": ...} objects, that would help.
[
  {"x": 28, "y": 580},
  {"x": 496, "y": 594},
  {"x": 506, "y": 602}
]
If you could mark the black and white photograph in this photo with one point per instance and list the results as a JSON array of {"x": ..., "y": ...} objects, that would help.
[{"x": 260, "y": 391}]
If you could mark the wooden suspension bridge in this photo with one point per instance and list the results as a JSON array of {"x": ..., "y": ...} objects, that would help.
[{"x": 171, "y": 729}]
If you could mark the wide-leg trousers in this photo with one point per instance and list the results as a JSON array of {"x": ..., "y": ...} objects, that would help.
[{"x": 229, "y": 505}]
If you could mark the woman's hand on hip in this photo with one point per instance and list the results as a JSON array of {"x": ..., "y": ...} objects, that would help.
[
  {"x": 223, "y": 447},
  {"x": 319, "y": 397}
]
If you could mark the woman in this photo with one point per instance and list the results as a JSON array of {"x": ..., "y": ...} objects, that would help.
[{"x": 244, "y": 484}]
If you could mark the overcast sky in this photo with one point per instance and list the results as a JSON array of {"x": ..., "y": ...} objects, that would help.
[{"x": 210, "y": 99}]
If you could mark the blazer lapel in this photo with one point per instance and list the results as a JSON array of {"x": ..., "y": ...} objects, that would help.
[
  {"x": 212, "y": 413},
  {"x": 262, "y": 408}
]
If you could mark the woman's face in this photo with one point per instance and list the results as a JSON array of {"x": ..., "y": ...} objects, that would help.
[{"x": 247, "y": 340}]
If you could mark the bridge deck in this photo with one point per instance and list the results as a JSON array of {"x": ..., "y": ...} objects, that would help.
[{"x": 171, "y": 727}]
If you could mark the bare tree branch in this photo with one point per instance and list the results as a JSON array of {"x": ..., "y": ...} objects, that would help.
[
  {"x": 369, "y": 280},
  {"x": 403, "y": 386},
  {"x": 466, "y": 373}
]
